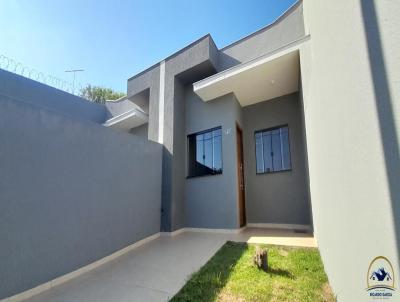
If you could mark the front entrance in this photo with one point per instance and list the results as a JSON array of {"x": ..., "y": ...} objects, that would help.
[{"x": 241, "y": 193}]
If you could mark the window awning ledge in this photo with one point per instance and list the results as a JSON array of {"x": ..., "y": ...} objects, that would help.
[
  {"x": 128, "y": 120},
  {"x": 266, "y": 77}
]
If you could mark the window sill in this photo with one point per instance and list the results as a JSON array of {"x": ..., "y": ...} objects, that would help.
[
  {"x": 274, "y": 172},
  {"x": 201, "y": 176}
]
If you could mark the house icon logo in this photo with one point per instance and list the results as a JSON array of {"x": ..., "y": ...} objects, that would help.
[{"x": 380, "y": 278}]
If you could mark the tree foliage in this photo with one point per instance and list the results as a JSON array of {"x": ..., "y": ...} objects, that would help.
[{"x": 99, "y": 94}]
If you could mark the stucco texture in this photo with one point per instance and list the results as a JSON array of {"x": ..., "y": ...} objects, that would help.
[
  {"x": 211, "y": 201},
  {"x": 351, "y": 117},
  {"x": 278, "y": 197},
  {"x": 71, "y": 192}
]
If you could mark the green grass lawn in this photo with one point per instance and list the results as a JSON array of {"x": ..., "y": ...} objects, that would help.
[{"x": 295, "y": 274}]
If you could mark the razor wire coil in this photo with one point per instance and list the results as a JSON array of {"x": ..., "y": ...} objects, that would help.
[{"x": 16, "y": 67}]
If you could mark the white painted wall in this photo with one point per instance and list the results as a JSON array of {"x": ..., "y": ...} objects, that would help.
[{"x": 351, "y": 141}]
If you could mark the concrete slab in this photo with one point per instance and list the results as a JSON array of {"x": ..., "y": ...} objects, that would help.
[
  {"x": 157, "y": 271},
  {"x": 277, "y": 237}
]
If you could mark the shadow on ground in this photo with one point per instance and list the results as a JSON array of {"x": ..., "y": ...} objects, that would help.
[{"x": 206, "y": 284}]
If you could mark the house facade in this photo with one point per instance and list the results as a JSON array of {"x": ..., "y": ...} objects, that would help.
[
  {"x": 232, "y": 125},
  {"x": 294, "y": 126}
]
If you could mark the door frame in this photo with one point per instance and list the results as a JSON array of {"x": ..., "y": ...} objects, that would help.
[{"x": 240, "y": 177}]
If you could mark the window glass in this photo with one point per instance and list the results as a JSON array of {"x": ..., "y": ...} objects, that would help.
[
  {"x": 259, "y": 152},
  {"x": 199, "y": 149},
  {"x": 276, "y": 150},
  {"x": 208, "y": 150},
  {"x": 205, "y": 153},
  {"x": 267, "y": 150},
  {"x": 217, "y": 151},
  {"x": 287, "y": 165},
  {"x": 272, "y": 150}
]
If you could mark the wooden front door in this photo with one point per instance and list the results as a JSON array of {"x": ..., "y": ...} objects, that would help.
[{"x": 241, "y": 195}]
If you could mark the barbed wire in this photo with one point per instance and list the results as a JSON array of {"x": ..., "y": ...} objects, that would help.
[{"x": 16, "y": 67}]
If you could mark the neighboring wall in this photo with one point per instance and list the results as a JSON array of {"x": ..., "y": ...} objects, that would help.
[
  {"x": 212, "y": 201},
  {"x": 71, "y": 192},
  {"x": 280, "y": 197},
  {"x": 287, "y": 28},
  {"x": 29, "y": 91},
  {"x": 351, "y": 74}
]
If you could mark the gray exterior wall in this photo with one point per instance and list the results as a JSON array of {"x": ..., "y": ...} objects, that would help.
[
  {"x": 32, "y": 92},
  {"x": 287, "y": 28},
  {"x": 148, "y": 80},
  {"x": 350, "y": 77},
  {"x": 212, "y": 201},
  {"x": 280, "y": 197},
  {"x": 190, "y": 64},
  {"x": 196, "y": 61},
  {"x": 141, "y": 131},
  {"x": 350, "y": 70},
  {"x": 177, "y": 209},
  {"x": 71, "y": 192}
]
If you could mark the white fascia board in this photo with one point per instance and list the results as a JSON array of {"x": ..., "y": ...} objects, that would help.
[
  {"x": 136, "y": 116},
  {"x": 230, "y": 72}
]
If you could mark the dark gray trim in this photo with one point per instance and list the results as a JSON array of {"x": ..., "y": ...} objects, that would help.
[{"x": 171, "y": 56}]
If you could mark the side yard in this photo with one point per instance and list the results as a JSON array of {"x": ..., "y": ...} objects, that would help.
[{"x": 294, "y": 274}]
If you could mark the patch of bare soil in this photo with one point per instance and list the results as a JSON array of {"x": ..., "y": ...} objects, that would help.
[
  {"x": 283, "y": 253},
  {"x": 228, "y": 297},
  {"x": 327, "y": 293}
]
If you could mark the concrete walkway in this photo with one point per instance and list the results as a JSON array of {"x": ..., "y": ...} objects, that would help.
[{"x": 157, "y": 270}]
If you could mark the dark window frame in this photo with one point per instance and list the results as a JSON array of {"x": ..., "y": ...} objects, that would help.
[
  {"x": 290, "y": 152},
  {"x": 188, "y": 153}
]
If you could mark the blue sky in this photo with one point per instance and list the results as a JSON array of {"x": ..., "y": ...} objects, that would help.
[{"x": 113, "y": 40}]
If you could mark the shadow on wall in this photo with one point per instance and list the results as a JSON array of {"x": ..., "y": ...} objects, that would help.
[
  {"x": 226, "y": 61},
  {"x": 384, "y": 105},
  {"x": 166, "y": 190}
]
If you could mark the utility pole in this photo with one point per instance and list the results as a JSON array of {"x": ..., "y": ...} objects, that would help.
[{"x": 74, "y": 71}]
